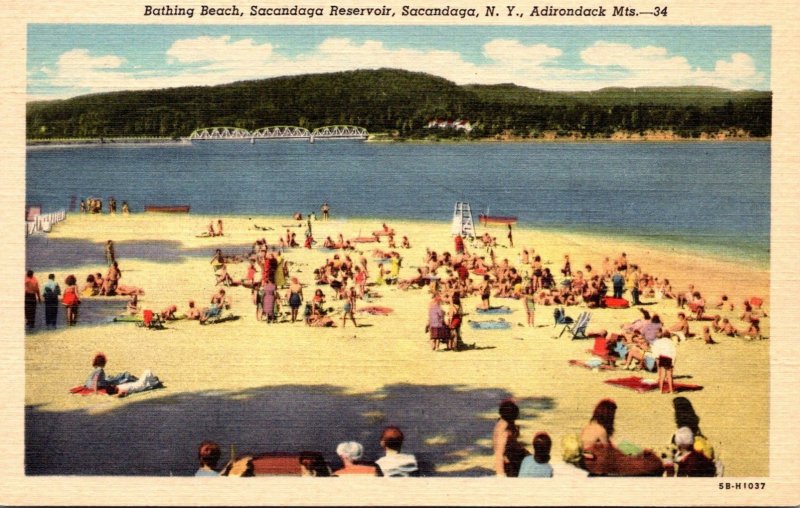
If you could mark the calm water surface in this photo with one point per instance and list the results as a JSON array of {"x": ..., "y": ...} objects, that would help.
[{"x": 712, "y": 195}]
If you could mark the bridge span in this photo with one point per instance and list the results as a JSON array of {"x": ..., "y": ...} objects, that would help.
[{"x": 279, "y": 132}]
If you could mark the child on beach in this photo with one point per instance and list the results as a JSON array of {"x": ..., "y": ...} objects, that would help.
[
  {"x": 349, "y": 308},
  {"x": 537, "y": 465}
]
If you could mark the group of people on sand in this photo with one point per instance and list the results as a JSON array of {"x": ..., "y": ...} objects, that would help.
[
  {"x": 594, "y": 453},
  {"x": 51, "y": 293},
  {"x": 393, "y": 463},
  {"x": 95, "y": 205},
  {"x": 121, "y": 384},
  {"x": 212, "y": 231}
]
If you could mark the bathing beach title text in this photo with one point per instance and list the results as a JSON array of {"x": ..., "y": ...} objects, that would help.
[{"x": 407, "y": 11}]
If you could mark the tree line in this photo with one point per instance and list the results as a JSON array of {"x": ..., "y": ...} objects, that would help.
[{"x": 401, "y": 103}]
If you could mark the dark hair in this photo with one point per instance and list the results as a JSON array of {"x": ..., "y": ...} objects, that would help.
[
  {"x": 209, "y": 454},
  {"x": 99, "y": 360},
  {"x": 29, "y": 273},
  {"x": 685, "y": 415},
  {"x": 52, "y": 276},
  {"x": 315, "y": 463},
  {"x": 70, "y": 280},
  {"x": 509, "y": 411},
  {"x": 392, "y": 438},
  {"x": 656, "y": 319},
  {"x": 604, "y": 415},
  {"x": 541, "y": 447}
]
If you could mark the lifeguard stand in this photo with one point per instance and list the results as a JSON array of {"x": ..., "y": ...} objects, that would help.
[{"x": 462, "y": 220}]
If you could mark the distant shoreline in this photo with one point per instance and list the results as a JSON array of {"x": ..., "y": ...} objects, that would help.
[{"x": 383, "y": 138}]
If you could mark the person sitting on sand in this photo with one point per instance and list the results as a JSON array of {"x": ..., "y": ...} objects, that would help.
[
  {"x": 688, "y": 461},
  {"x": 601, "y": 457},
  {"x": 208, "y": 453},
  {"x": 313, "y": 464},
  {"x": 538, "y": 464},
  {"x": 697, "y": 305},
  {"x": 508, "y": 451},
  {"x": 223, "y": 277},
  {"x": 133, "y": 305},
  {"x": 90, "y": 288},
  {"x": 122, "y": 384},
  {"x": 351, "y": 454},
  {"x": 210, "y": 231},
  {"x": 405, "y": 244},
  {"x": 217, "y": 261},
  {"x": 680, "y": 330},
  {"x": 395, "y": 463},
  {"x": 168, "y": 313},
  {"x": 707, "y": 336},
  {"x": 727, "y": 328},
  {"x": 193, "y": 312},
  {"x": 683, "y": 298}
]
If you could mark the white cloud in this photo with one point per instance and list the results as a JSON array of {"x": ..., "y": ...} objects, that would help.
[
  {"x": 654, "y": 66},
  {"x": 511, "y": 52},
  {"x": 215, "y": 60},
  {"x": 220, "y": 51}
]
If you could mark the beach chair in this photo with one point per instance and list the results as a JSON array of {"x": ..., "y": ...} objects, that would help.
[
  {"x": 151, "y": 320},
  {"x": 578, "y": 328},
  {"x": 560, "y": 317}
]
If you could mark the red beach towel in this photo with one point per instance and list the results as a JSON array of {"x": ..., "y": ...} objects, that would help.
[
  {"x": 615, "y": 303},
  {"x": 638, "y": 385},
  {"x": 82, "y": 390}
]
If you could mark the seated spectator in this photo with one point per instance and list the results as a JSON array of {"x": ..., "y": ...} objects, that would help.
[
  {"x": 193, "y": 312},
  {"x": 351, "y": 453},
  {"x": 689, "y": 462},
  {"x": 538, "y": 464},
  {"x": 121, "y": 384},
  {"x": 313, "y": 464},
  {"x": 209, "y": 454},
  {"x": 395, "y": 463}
]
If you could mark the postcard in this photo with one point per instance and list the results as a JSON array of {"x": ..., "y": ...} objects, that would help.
[{"x": 464, "y": 244}]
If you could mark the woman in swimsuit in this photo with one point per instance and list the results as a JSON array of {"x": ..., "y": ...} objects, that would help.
[
  {"x": 508, "y": 452},
  {"x": 295, "y": 297},
  {"x": 349, "y": 308}
]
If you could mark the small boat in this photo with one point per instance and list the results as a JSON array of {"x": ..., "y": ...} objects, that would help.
[
  {"x": 167, "y": 208},
  {"x": 487, "y": 220}
]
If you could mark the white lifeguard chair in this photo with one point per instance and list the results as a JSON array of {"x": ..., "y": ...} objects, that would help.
[{"x": 462, "y": 220}]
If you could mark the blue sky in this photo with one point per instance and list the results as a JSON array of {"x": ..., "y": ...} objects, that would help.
[{"x": 68, "y": 60}]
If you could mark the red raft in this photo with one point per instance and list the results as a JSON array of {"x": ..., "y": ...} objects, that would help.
[
  {"x": 167, "y": 208},
  {"x": 502, "y": 220}
]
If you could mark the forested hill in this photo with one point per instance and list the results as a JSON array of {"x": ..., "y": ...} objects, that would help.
[{"x": 401, "y": 103}]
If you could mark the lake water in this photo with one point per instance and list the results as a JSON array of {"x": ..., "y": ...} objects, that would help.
[{"x": 710, "y": 195}]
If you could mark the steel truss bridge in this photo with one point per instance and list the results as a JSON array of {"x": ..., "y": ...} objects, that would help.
[{"x": 279, "y": 132}]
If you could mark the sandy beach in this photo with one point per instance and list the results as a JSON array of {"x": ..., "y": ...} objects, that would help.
[{"x": 291, "y": 387}]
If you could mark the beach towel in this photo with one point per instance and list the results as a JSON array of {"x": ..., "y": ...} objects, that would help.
[
  {"x": 364, "y": 239},
  {"x": 127, "y": 319},
  {"x": 640, "y": 385},
  {"x": 615, "y": 303},
  {"x": 490, "y": 325},
  {"x": 594, "y": 363},
  {"x": 495, "y": 310},
  {"x": 376, "y": 310},
  {"x": 480, "y": 271},
  {"x": 82, "y": 390}
]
